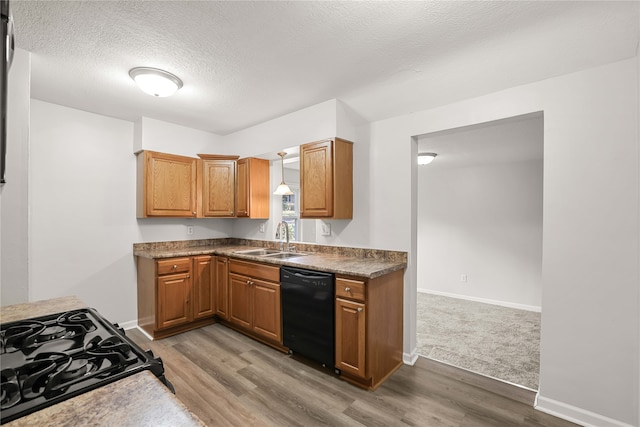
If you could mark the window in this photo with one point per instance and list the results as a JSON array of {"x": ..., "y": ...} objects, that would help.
[{"x": 290, "y": 213}]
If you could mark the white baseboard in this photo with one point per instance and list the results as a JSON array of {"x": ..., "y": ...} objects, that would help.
[
  {"x": 129, "y": 325},
  {"x": 134, "y": 325},
  {"x": 410, "y": 358},
  {"x": 576, "y": 415},
  {"x": 144, "y": 332},
  {"x": 484, "y": 300}
]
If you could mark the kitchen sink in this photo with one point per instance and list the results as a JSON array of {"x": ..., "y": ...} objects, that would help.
[
  {"x": 284, "y": 255},
  {"x": 259, "y": 252}
]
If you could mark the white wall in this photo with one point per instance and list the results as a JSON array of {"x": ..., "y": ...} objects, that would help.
[
  {"x": 314, "y": 123},
  {"x": 14, "y": 208},
  {"x": 170, "y": 138},
  {"x": 484, "y": 221},
  {"x": 590, "y": 318},
  {"x": 82, "y": 200},
  {"x": 307, "y": 125}
]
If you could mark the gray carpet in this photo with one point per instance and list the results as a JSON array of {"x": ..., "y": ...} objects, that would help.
[{"x": 497, "y": 341}]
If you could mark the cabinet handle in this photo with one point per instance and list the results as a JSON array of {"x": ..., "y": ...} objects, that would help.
[
  {"x": 194, "y": 212},
  {"x": 347, "y": 289},
  {"x": 359, "y": 309},
  {"x": 175, "y": 267}
]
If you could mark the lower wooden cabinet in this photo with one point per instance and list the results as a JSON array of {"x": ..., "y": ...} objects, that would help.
[
  {"x": 369, "y": 327},
  {"x": 267, "y": 318},
  {"x": 350, "y": 337},
  {"x": 203, "y": 286},
  {"x": 174, "y": 308},
  {"x": 175, "y": 294},
  {"x": 222, "y": 287},
  {"x": 240, "y": 304},
  {"x": 254, "y": 299}
]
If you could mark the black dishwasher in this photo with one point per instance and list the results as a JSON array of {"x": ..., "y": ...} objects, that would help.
[{"x": 308, "y": 313}]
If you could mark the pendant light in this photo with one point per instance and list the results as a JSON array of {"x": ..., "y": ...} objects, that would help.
[
  {"x": 155, "y": 82},
  {"x": 283, "y": 189}
]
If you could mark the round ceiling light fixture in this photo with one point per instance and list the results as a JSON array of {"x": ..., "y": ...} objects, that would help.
[
  {"x": 155, "y": 82},
  {"x": 426, "y": 158}
]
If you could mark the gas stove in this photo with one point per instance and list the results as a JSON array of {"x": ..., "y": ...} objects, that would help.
[{"x": 48, "y": 359}]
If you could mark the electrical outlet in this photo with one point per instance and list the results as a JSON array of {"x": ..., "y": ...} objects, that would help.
[
  {"x": 189, "y": 229},
  {"x": 262, "y": 227},
  {"x": 463, "y": 278},
  {"x": 325, "y": 229}
]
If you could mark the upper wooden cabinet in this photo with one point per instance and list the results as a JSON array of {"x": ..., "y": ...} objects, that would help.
[
  {"x": 326, "y": 179},
  {"x": 167, "y": 185},
  {"x": 252, "y": 188},
  {"x": 218, "y": 185}
]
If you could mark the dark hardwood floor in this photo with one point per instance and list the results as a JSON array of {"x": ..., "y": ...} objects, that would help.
[{"x": 228, "y": 379}]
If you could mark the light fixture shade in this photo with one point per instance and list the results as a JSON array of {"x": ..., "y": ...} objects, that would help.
[
  {"x": 155, "y": 82},
  {"x": 283, "y": 190},
  {"x": 426, "y": 158}
]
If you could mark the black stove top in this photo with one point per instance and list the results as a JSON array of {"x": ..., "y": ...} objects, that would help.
[{"x": 52, "y": 358}]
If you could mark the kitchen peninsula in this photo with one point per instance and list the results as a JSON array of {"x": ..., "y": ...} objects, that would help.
[{"x": 187, "y": 284}]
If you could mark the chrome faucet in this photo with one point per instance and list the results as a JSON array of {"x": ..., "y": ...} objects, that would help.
[{"x": 279, "y": 228}]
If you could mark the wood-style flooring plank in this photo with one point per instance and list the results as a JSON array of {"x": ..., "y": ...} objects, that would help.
[{"x": 228, "y": 379}]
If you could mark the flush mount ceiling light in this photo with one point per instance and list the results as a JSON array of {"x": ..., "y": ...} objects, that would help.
[
  {"x": 426, "y": 158},
  {"x": 283, "y": 189},
  {"x": 155, "y": 82}
]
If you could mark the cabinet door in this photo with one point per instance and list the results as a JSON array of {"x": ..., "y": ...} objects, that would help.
[
  {"x": 174, "y": 306},
  {"x": 169, "y": 185},
  {"x": 267, "y": 317},
  {"x": 350, "y": 337},
  {"x": 222, "y": 287},
  {"x": 240, "y": 300},
  {"x": 218, "y": 188},
  {"x": 316, "y": 179},
  {"x": 242, "y": 188},
  {"x": 203, "y": 287}
]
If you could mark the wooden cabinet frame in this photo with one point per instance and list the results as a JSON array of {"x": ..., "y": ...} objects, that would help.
[
  {"x": 369, "y": 319},
  {"x": 166, "y": 185},
  {"x": 175, "y": 294},
  {"x": 253, "y": 194},
  {"x": 254, "y": 300},
  {"x": 217, "y": 184},
  {"x": 326, "y": 179},
  {"x": 212, "y": 186}
]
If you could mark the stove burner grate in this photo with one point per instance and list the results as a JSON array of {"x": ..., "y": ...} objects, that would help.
[{"x": 52, "y": 358}]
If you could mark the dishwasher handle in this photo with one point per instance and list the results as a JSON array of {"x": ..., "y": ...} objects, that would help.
[{"x": 310, "y": 275}]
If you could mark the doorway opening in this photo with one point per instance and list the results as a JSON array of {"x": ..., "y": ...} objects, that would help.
[{"x": 479, "y": 248}]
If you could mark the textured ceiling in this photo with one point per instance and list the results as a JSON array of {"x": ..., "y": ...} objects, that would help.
[{"x": 243, "y": 63}]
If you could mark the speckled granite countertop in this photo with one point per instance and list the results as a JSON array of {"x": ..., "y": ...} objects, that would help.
[
  {"x": 368, "y": 263},
  {"x": 136, "y": 400}
]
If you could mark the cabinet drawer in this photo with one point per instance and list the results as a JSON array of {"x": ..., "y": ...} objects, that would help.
[
  {"x": 352, "y": 289},
  {"x": 252, "y": 269},
  {"x": 174, "y": 265}
]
